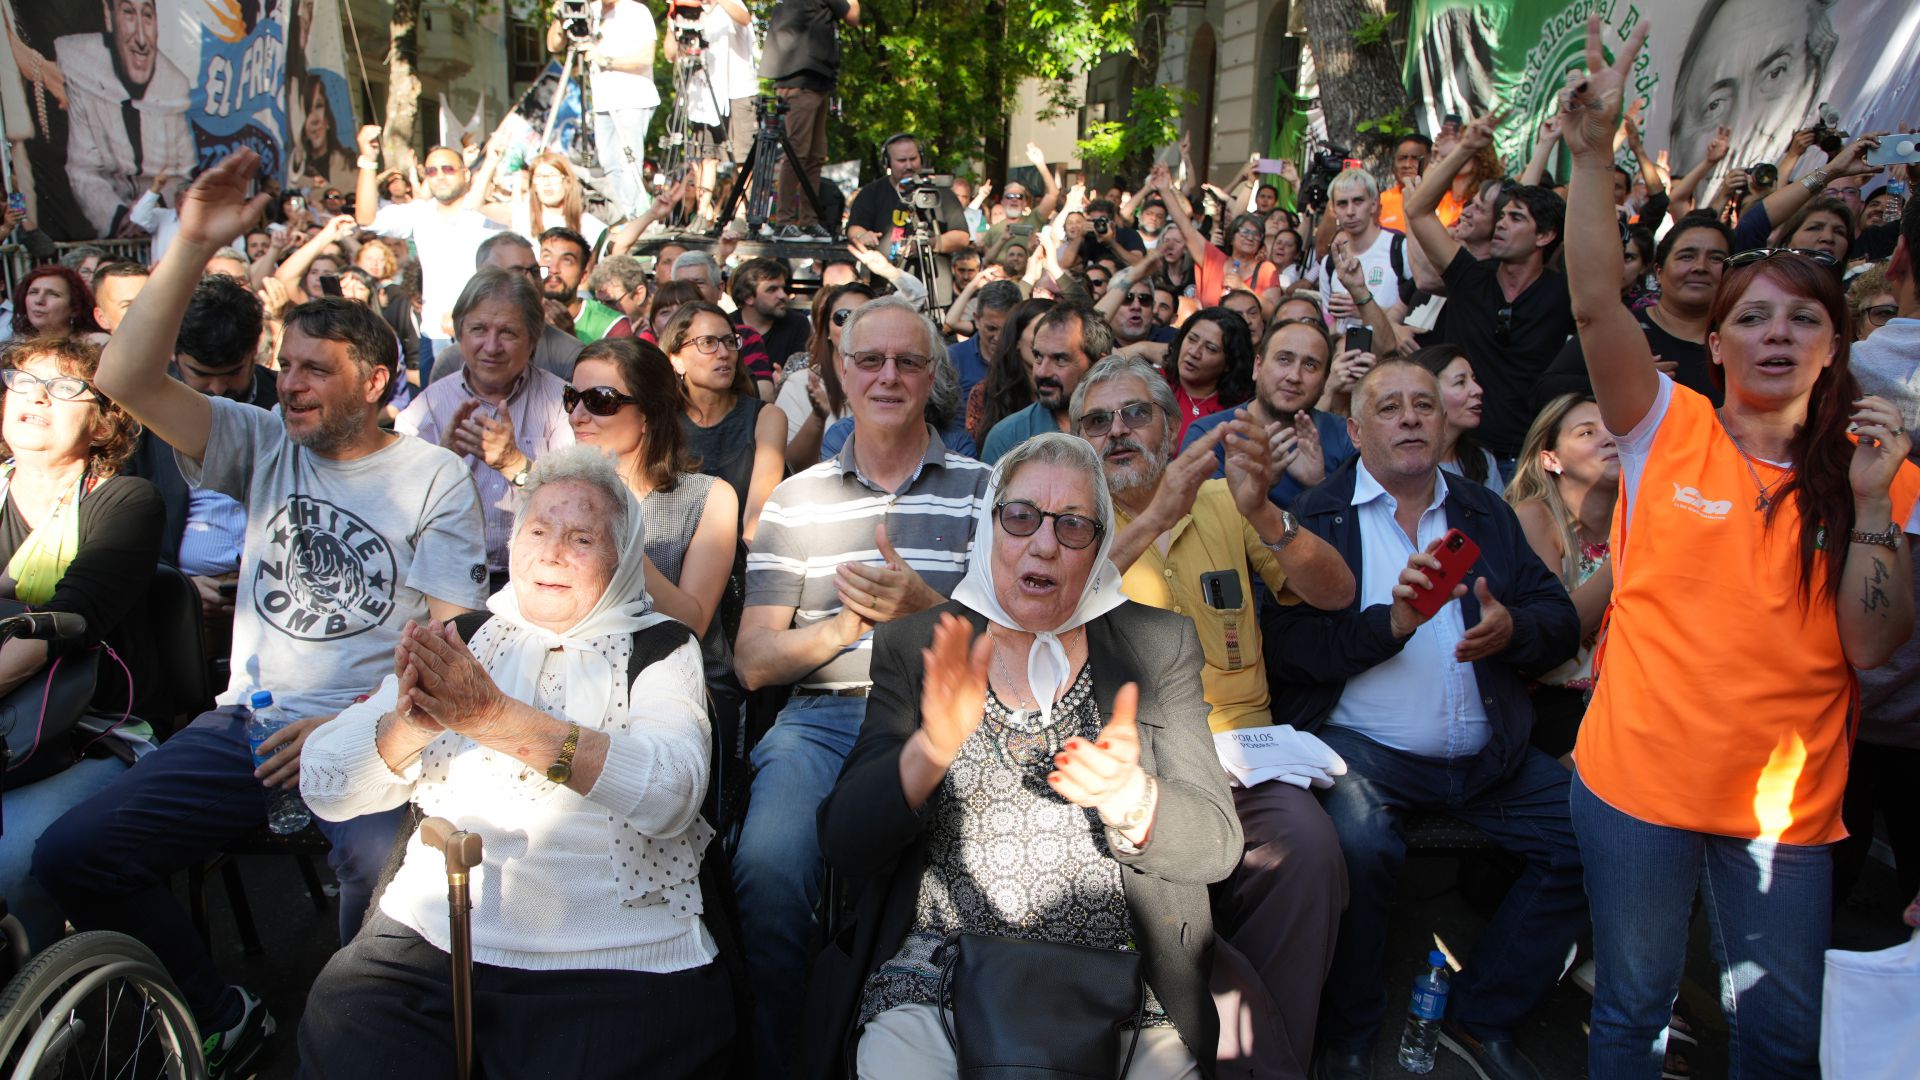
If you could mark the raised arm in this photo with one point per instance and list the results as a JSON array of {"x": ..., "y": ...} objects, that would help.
[
  {"x": 1182, "y": 220},
  {"x": 1649, "y": 172},
  {"x": 1624, "y": 379},
  {"x": 1681, "y": 197},
  {"x": 1421, "y": 206},
  {"x": 1536, "y": 169},
  {"x": 1038, "y": 158},
  {"x": 1787, "y": 199},
  {"x": 133, "y": 369},
  {"x": 366, "y": 191},
  {"x": 294, "y": 271}
]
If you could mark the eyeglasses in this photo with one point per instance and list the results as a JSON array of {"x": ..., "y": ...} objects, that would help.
[
  {"x": 431, "y": 171},
  {"x": 1144, "y": 299},
  {"x": 60, "y": 387},
  {"x": 712, "y": 344},
  {"x": 1878, "y": 314},
  {"x": 904, "y": 363},
  {"x": 1503, "y": 326},
  {"x": 599, "y": 400},
  {"x": 1754, "y": 255},
  {"x": 1014, "y": 196},
  {"x": 1021, "y": 518},
  {"x": 611, "y": 301},
  {"x": 840, "y": 317},
  {"x": 1132, "y": 416}
]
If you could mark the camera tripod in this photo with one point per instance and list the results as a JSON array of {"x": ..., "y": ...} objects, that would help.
[
  {"x": 682, "y": 141},
  {"x": 922, "y": 258},
  {"x": 761, "y": 172},
  {"x": 583, "y": 29}
]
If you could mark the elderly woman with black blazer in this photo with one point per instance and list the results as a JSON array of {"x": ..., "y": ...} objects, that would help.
[{"x": 1050, "y": 780}]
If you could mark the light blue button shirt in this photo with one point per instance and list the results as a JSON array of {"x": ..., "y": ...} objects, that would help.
[
  {"x": 216, "y": 527},
  {"x": 1421, "y": 701}
]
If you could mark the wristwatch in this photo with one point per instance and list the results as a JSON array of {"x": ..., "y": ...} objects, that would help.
[
  {"x": 1291, "y": 530},
  {"x": 1889, "y": 539},
  {"x": 1135, "y": 815},
  {"x": 519, "y": 479},
  {"x": 561, "y": 770}
]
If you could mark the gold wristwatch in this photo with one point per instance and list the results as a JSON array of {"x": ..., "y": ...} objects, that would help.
[{"x": 561, "y": 770}]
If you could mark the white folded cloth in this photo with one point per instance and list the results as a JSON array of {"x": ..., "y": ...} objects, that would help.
[{"x": 1277, "y": 752}]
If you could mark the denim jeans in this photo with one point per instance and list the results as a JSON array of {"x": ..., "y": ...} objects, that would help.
[
  {"x": 1525, "y": 947},
  {"x": 778, "y": 871},
  {"x": 1768, "y": 905},
  {"x": 30, "y": 811},
  {"x": 108, "y": 859},
  {"x": 615, "y": 132}
]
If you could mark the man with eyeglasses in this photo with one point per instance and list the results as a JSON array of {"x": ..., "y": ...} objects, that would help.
[
  {"x": 445, "y": 233},
  {"x": 1066, "y": 342},
  {"x": 893, "y": 512},
  {"x": 1428, "y": 708},
  {"x": 1508, "y": 311},
  {"x": 555, "y": 350},
  {"x": 1130, "y": 307},
  {"x": 1201, "y": 547},
  {"x": 1289, "y": 375}
]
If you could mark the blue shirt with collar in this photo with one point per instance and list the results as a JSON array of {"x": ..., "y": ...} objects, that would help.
[
  {"x": 1035, "y": 419},
  {"x": 1334, "y": 443}
]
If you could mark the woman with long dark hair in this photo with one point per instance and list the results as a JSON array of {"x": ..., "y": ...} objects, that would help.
[
  {"x": 1462, "y": 454},
  {"x": 1008, "y": 387},
  {"x": 53, "y": 301},
  {"x": 1210, "y": 365},
  {"x": 738, "y": 437},
  {"x": 321, "y": 150},
  {"x": 811, "y": 396},
  {"x": 1760, "y": 555}
]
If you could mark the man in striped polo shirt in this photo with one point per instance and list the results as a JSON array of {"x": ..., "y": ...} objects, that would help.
[{"x": 877, "y": 533}]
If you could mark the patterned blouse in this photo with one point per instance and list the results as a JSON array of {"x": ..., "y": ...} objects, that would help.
[{"x": 1008, "y": 856}]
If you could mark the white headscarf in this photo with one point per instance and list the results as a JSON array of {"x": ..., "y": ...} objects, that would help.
[
  {"x": 588, "y": 678},
  {"x": 1047, "y": 665}
]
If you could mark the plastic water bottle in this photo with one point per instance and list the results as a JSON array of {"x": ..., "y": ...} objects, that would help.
[
  {"x": 1424, "y": 1010},
  {"x": 286, "y": 814}
]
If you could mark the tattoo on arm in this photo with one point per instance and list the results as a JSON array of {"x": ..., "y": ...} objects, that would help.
[{"x": 1873, "y": 593}]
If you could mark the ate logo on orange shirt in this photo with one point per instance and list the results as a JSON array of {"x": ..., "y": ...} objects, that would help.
[{"x": 1689, "y": 499}]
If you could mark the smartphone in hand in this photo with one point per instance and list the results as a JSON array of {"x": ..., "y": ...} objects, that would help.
[
  {"x": 1457, "y": 554},
  {"x": 1360, "y": 337}
]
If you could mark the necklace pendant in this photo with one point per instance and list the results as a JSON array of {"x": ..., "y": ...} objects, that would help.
[{"x": 1762, "y": 503}]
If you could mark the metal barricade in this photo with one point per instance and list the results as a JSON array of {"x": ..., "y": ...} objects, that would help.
[
  {"x": 133, "y": 249},
  {"x": 14, "y": 264}
]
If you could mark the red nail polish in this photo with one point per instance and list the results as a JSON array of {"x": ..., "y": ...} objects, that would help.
[
  {"x": 1059, "y": 759},
  {"x": 1103, "y": 745}
]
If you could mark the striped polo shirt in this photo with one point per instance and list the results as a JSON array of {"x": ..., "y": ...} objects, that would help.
[{"x": 817, "y": 519}]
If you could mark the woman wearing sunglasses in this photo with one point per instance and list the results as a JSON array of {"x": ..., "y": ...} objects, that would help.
[
  {"x": 75, "y": 536},
  {"x": 1036, "y": 768},
  {"x": 811, "y": 397},
  {"x": 736, "y": 436},
  {"x": 1760, "y": 554},
  {"x": 626, "y": 400}
]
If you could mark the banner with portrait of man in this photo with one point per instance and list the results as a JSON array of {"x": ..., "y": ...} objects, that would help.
[
  {"x": 1761, "y": 68},
  {"x": 101, "y": 98}
]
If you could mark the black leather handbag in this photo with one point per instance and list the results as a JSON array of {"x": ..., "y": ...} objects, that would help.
[
  {"x": 1024, "y": 1010},
  {"x": 40, "y": 718}
]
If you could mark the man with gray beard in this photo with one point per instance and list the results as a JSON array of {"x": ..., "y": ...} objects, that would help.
[{"x": 1195, "y": 545}]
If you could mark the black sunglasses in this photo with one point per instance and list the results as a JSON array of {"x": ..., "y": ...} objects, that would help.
[
  {"x": 599, "y": 400},
  {"x": 1754, "y": 255},
  {"x": 840, "y": 317},
  {"x": 1144, "y": 299},
  {"x": 1021, "y": 518}
]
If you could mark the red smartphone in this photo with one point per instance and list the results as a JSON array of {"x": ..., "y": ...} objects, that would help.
[{"x": 1457, "y": 554}]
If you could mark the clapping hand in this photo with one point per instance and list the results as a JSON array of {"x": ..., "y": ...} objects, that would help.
[
  {"x": 448, "y": 686},
  {"x": 216, "y": 210},
  {"x": 1250, "y": 461},
  {"x": 1590, "y": 107},
  {"x": 882, "y": 593},
  {"x": 1308, "y": 463},
  {"x": 953, "y": 691},
  {"x": 1104, "y": 775},
  {"x": 1489, "y": 636}
]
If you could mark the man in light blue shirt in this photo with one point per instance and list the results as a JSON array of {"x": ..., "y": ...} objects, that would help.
[
  {"x": 1430, "y": 713},
  {"x": 1066, "y": 342}
]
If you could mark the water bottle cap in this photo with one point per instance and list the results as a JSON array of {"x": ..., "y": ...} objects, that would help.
[
  {"x": 1436, "y": 958},
  {"x": 262, "y": 698}
]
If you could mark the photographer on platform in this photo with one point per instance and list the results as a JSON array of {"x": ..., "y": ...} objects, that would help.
[
  {"x": 716, "y": 38},
  {"x": 619, "y": 43},
  {"x": 881, "y": 217},
  {"x": 802, "y": 57}
]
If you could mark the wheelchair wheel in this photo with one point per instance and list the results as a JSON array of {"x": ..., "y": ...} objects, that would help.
[{"x": 97, "y": 1004}]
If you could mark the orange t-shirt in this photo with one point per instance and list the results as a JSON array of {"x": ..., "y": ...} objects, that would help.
[
  {"x": 1723, "y": 698},
  {"x": 1393, "y": 212},
  {"x": 1210, "y": 277}
]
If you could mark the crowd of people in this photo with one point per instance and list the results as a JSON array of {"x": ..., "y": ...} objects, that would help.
[{"x": 540, "y": 523}]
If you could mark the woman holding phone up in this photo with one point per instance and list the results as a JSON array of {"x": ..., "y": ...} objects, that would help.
[{"x": 1760, "y": 554}]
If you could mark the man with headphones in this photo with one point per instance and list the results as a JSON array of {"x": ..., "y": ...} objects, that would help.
[{"x": 881, "y": 218}]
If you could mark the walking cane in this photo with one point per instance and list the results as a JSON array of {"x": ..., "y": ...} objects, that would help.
[{"x": 462, "y": 850}]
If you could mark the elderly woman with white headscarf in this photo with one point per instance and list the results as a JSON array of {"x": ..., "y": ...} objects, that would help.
[
  {"x": 570, "y": 732},
  {"x": 1036, "y": 811}
]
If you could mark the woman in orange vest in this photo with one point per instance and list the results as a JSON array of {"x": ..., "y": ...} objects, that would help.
[{"x": 1759, "y": 556}]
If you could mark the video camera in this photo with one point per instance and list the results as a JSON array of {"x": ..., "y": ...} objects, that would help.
[
  {"x": 1827, "y": 134},
  {"x": 683, "y": 19},
  {"x": 923, "y": 192},
  {"x": 1328, "y": 162},
  {"x": 581, "y": 18}
]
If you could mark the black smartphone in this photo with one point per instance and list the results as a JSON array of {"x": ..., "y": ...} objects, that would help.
[
  {"x": 1221, "y": 590},
  {"x": 330, "y": 284},
  {"x": 228, "y": 589},
  {"x": 1452, "y": 122},
  {"x": 1360, "y": 337}
]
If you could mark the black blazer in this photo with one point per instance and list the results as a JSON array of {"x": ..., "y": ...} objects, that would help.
[{"x": 868, "y": 832}]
